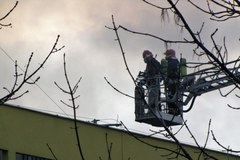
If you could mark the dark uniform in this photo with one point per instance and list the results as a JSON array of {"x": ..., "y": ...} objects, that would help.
[
  {"x": 171, "y": 81},
  {"x": 172, "y": 73},
  {"x": 152, "y": 74},
  {"x": 153, "y": 67}
]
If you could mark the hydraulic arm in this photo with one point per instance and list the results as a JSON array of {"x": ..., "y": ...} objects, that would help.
[{"x": 208, "y": 80}]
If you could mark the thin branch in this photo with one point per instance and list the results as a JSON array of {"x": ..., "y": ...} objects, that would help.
[
  {"x": 228, "y": 9},
  {"x": 117, "y": 89},
  {"x": 230, "y": 106},
  {"x": 71, "y": 92},
  {"x": 121, "y": 48},
  {"x": 6, "y": 25},
  {"x": 63, "y": 90},
  {"x": 19, "y": 96},
  {"x": 196, "y": 142},
  {"x": 151, "y": 145},
  {"x": 153, "y": 36},
  {"x": 109, "y": 148},
  {"x": 225, "y": 148},
  {"x": 50, "y": 149},
  {"x": 16, "y": 87}
]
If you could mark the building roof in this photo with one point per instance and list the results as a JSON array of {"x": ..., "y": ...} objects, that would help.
[{"x": 95, "y": 124}]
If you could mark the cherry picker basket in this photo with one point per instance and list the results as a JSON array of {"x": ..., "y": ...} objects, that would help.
[{"x": 155, "y": 110}]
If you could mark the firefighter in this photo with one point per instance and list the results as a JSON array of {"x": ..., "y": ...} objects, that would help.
[
  {"x": 152, "y": 74},
  {"x": 171, "y": 75}
]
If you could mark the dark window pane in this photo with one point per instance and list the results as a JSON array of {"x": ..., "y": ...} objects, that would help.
[{"x": 20, "y": 156}]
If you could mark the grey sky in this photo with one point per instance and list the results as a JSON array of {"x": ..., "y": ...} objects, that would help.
[{"x": 92, "y": 53}]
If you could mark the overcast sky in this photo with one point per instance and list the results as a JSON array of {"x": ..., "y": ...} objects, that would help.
[{"x": 92, "y": 53}]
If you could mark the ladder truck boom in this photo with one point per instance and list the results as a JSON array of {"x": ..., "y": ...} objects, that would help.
[{"x": 211, "y": 81}]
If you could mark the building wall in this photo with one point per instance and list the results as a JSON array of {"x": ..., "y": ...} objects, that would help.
[{"x": 30, "y": 132}]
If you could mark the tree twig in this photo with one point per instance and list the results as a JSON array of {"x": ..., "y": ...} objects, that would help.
[{"x": 70, "y": 91}]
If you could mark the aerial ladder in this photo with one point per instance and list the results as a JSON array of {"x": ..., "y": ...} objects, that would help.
[{"x": 188, "y": 88}]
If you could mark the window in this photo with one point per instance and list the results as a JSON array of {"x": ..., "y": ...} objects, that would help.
[
  {"x": 20, "y": 156},
  {"x": 3, "y": 154}
]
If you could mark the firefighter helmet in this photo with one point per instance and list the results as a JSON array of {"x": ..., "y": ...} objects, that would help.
[
  {"x": 170, "y": 53},
  {"x": 147, "y": 53}
]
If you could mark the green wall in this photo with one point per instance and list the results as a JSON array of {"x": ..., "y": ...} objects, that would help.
[{"x": 29, "y": 132}]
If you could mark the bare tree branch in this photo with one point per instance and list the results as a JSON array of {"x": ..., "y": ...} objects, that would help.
[
  {"x": 50, "y": 149},
  {"x": 71, "y": 91},
  {"x": 228, "y": 9},
  {"x": 117, "y": 89},
  {"x": 228, "y": 149},
  {"x": 109, "y": 148},
  {"x": 202, "y": 149},
  {"x": 151, "y": 145},
  {"x": 28, "y": 76},
  {"x": 6, "y": 15}
]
